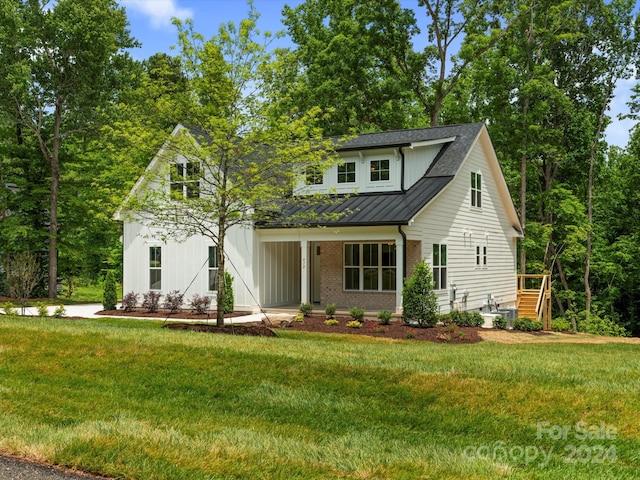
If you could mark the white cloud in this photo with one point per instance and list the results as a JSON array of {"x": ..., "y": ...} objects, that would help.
[{"x": 159, "y": 12}]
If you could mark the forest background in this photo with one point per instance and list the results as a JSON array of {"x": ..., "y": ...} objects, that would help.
[{"x": 80, "y": 118}]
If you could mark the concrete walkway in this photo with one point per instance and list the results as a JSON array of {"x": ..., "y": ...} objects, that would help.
[{"x": 89, "y": 310}]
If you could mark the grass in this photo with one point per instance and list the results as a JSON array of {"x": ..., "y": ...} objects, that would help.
[{"x": 130, "y": 400}]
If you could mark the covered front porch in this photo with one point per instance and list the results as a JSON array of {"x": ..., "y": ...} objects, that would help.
[{"x": 310, "y": 266}]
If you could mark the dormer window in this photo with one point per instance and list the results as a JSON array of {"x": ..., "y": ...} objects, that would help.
[
  {"x": 185, "y": 180},
  {"x": 379, "y": 170},
  {"x": 476, "y": 189},
  {"x": 347, "y": 172},
  {"x": 314, "y": 176}
]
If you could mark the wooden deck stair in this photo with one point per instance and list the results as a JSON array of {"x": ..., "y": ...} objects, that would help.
[{"x": 534, "y": 298}]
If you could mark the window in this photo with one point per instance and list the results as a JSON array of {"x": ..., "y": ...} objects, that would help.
[
  {"x": 439, "y": 266},
  {"x": 314, "y": 175},
  {"x": 476, "y": 190},
  {"x": 155, "y": 268},
  {"x": 185, "y": 180},
  {"x": 347, "y": 172},
  {"x": 370, "y": 266},
  {"x": 213, "y": 268},
  {"x": 481, "y": 256},
  {"x": 379, "y": 170}
]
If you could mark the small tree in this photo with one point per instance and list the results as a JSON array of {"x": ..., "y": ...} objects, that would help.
[
  {"x": 228, "y": 299},
  {"x": 23, "y": 276},
  {"x": 419, "y": 302},
  {"x": 110, "y": 295}
]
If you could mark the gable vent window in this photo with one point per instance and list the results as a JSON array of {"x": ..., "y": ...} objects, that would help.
[
  {"x": 379, "y": 170},
  {"x": 476, "y": 190},
  {"x": 185, "y": 180}
]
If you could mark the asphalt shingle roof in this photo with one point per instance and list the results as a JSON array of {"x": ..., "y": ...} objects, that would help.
[{"x": 387, "y": 208}]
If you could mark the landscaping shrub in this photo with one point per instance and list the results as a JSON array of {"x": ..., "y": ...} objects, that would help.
[
  {"x": 467, "y": 318},
  {"x": 500, "y": 322},
  {"x": 228, "y": 300},
  {"x": 9, "y": 308},
  {"x": 130, "y": 302},
  {"x": 299, "y": 318},
  {"x": 173, "y": 300},
  {"x": 110, "y": 294},
  {"x": 330, "y": 310},
  {"x": 419, "y": 302},
  {"x": 43, "y": 310},
  {"x": 357, "y": 314},
  {"x": 385, "y": 317},
  {"x": 527, "y": 324},
  {"x": 151, "y": 301},
  {"x": 561, "y": 324},
  {"x": 331, "y": 321},
  {"x": 200, "y": 303},
  {"x": 354, "y": 324},
  {"x": 306, "y": 309},
  {"x": 60, "y": 311}
]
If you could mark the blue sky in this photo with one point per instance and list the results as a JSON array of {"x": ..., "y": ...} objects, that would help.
[{"x": 150, "y": 24}]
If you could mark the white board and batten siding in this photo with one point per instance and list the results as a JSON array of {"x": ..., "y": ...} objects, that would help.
[
  {"x": 185, "y": 264},
  {"x": 452, "y": 221}
]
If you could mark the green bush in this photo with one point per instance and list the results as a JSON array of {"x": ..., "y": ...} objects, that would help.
[
  {"x": 527, "y": 324},
  {"x": 561, "y": 324},
  {"x": 331, "y": 321},
  {"x": 467, "y": 318},
  {"x": 500, "y": 323},
  {"x": 356, "y": 313},
  {"x": 9, "y": 308},
  {"x": 385, "y": 317},
  {"x": 43, "y": 309},
  {"x": 110, "y": 294},
  {"x": 60, "y": 311},
  {"x": 354, "y": 324},
  {"x": 306, "y": 309},
  {"x": 228, "y": 301},
  {"x": 600, "y": 325},
  {"x": 419, "y": 302},
  {"x": 330, "y": 310}
]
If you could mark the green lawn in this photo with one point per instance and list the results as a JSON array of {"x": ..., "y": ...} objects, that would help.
[{"x": 131, "y": 400}]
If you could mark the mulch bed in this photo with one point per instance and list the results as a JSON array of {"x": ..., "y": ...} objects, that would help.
[
  {"x": 179, "y": 314},
  {"x": 252, "y": 330}
]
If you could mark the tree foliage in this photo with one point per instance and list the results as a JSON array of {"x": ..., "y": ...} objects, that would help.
[{"x": 419, "y": 301}]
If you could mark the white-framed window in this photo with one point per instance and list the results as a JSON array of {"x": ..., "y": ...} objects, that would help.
[
  {"x": 185, "y": 180},
  {"x": 439, "y": 266},
  {"x": 481, "y": 256},
  {"x": 476, "y": 189},
  {"x": 379, "y": 170},
  {"x": 314, "y": 175},
  {"x": 213, "y": 268},
  {"x": 370, "y": 266},
  {"x": 155, "y": 268},
  {"x": 347, "y": 172}
]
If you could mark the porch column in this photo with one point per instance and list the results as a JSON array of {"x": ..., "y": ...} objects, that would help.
[
  {"x": 400, "y": 273},
  {"x": 304, "y": 271}
]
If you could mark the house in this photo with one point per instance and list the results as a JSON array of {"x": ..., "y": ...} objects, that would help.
[{"x": 431, "y": 193}]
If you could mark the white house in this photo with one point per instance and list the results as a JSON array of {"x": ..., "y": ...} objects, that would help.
[{"x": 432, "y": 193}]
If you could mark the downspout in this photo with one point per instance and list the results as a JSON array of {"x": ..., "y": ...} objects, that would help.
[
  {"x": 404, "y": 253},
  {"x": 401, "y": 150}
]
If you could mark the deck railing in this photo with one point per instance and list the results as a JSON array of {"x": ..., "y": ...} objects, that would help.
[{"x": 542, "y": 285}]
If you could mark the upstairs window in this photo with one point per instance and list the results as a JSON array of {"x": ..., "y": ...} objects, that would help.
[
  {"x": 476, "y": 190},
  {"x": 185, "y": 180},
  {"x": 481, "y": 256},
  {"x": 213, "y": 268},
  {"x": 347, "y": 172},
  {"x": 379, "y": 170},
  {"x": 439, "y": 266},
  {"x": 155, "y": 268},
  {"x": 314, "y": 176}
]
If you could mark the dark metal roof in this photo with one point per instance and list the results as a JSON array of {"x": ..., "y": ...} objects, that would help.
[{"x": 386, "y": 208}]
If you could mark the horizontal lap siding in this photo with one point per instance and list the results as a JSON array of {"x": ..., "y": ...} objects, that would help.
[{"x": 445, "y": 222}]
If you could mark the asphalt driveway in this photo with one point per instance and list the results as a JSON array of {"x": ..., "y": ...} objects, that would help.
[{"x": 12, "y": 468}]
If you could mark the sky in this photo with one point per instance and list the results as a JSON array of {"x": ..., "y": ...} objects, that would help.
[{"x": 150, "y": 24}]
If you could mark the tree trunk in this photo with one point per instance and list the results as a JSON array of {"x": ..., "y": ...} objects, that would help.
[
  {"x": 54, "y": 160},
  {"x": 221, "y": 270}
]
